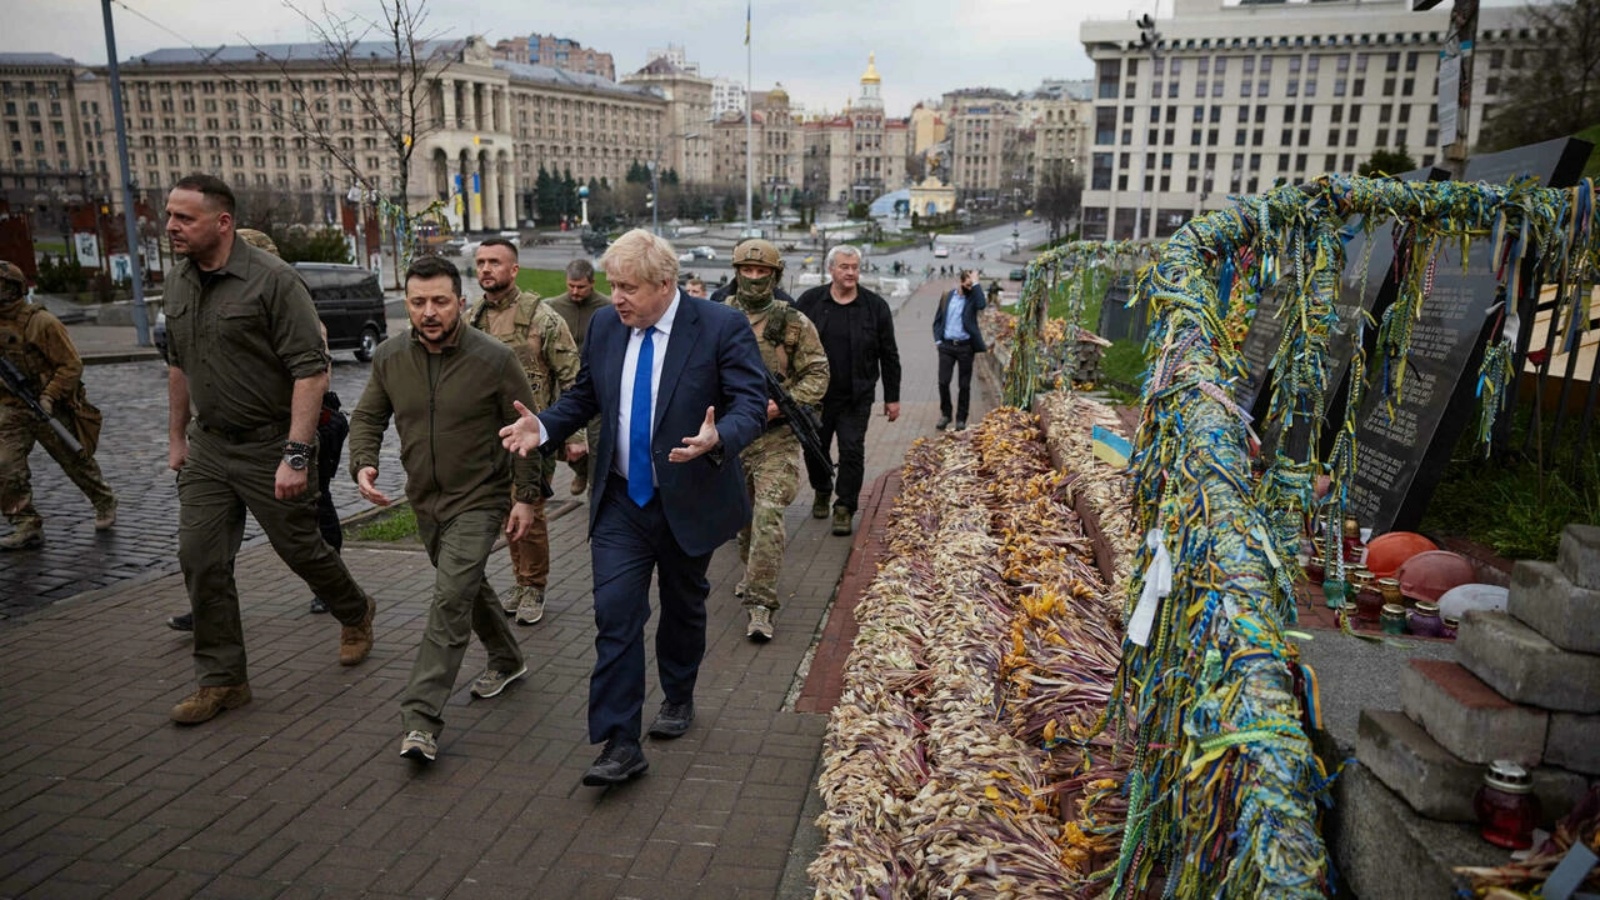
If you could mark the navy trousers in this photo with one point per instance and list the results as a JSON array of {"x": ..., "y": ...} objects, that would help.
[{"x": 628, "y": 545}]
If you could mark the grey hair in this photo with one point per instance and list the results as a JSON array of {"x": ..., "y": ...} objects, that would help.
[{"x": 841, "y": 249}]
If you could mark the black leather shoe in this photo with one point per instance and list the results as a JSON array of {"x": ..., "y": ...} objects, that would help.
[
  {"x": 961, "y": 424},
  {"x": 620, "y": 761},
  {"x": 184, "y": 622},
  {"x": 943, "y": 423},
  {"x": 673, "y": 720}
]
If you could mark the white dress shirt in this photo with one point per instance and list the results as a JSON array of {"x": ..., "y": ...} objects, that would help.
[{"x": 630, "y": 362}]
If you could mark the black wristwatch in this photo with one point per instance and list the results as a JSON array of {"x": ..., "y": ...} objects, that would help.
[{"x": 297, "y": 455}]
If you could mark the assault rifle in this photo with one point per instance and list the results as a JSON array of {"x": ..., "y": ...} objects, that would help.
[
  {"x": 802, "y": 422},
  {"x": 17, "y": 384}
]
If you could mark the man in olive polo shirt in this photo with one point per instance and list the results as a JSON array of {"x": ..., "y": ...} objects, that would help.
[
  {"x": 447, "y": 385},
  {"x": 246, "y": 353},
  {"x": 576, "y": 307}
]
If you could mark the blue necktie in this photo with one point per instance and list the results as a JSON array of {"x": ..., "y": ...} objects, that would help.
[{"x": 641, "y": 486}]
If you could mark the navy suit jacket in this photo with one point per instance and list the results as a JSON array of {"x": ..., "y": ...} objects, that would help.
[
  {"x": 976, "y": 301},
  {"x": 712, "y": 360}
]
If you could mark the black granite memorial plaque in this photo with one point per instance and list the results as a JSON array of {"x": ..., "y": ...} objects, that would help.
[{"x": 1403, "y": 453}]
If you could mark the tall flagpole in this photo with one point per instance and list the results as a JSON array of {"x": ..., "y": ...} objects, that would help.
[{"x": 749, "y": 125}]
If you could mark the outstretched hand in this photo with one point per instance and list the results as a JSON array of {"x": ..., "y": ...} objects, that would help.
[
  {"x": 698, "y": 445},
  {"x": 525, "y": 434}
]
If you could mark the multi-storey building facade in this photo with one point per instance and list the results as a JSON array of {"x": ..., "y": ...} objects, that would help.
[
  {"x": 1055, "y": 129},
  {"x": 988, "y": 165},
  {"x": 727, "y": 96},
  {"x": 247, "y": 114},
  {"x": 686, "y": 134},
  {"x": 1237, "y": 98},
  {"x": 859, "y": 154},
  {"x": 775, "y": 137},
  {"x": 557, "y": 53},
  {"x": 59, "y": 141}
]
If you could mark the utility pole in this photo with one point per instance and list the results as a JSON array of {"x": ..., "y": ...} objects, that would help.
[
  {"x": 1149, "y": 38},
  {"x": 130, "y": 221}
]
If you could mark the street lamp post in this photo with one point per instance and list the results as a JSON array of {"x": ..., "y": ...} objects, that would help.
[{"x": 1149, "y": 39}]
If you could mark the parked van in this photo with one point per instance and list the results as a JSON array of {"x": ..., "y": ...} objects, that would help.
[{"x": 350, "y": 304}]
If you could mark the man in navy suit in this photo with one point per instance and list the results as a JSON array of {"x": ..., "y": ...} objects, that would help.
[
  {"x": 956, "y": 334},
  {"x": 679, "y": 387}
]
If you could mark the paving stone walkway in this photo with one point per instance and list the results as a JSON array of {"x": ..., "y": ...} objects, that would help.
[{"x": 302, "y": 793}]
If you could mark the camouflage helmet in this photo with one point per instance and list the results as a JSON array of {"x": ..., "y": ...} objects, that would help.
[
  {"x": 757, "y": 252},
  {"x": 258, "y": 240},
  {"x": 11, "y": 272}
]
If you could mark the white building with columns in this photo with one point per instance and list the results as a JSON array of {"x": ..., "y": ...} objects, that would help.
[{"x": 488, "y": 126}]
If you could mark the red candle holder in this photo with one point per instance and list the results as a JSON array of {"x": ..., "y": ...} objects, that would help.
[{"x": 1506, "y": 807}]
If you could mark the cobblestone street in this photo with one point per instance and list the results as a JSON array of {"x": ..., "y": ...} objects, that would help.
[{"x": 133, "y": 455}]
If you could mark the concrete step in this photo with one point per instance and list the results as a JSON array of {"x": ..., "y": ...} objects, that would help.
[
  {"x": 1579, "y": 557},
  {"x": 1524, "y": 667},
  {"x": 1574, "y": 743},
  {"x": 1381, "y": 848},
  {"x": 1467, "y": 717},
  {"x": 1546, "y": 600},
  {"x": 1436, "y": 783}
]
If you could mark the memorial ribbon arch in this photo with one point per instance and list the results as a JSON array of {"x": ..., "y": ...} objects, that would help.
[{"x": 1224, "y": 786}]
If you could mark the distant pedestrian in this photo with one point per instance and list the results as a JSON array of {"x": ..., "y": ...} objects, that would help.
[
  {"x": 448, "y": 387},
  {"x": 792, "y": 352},
  {"x": 956, "y": 334},
  {"x": 857, "y": 331},
  {"x": 37, "y": 347},
  {"x": 678, "y": 385},
  {"x": 245, "y": 354},
  {"x": 543, "y": 345},
  {"x": 695, "y": 287},
  {"x": 576, "y": 307}
]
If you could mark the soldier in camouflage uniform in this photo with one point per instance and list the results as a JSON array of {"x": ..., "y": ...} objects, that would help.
[
  {"x": 549, "y": 356},
  {"x": 576, "y": 307},
  {"x": 38, "y": 345},
  {"x": 792, "y": 351}
]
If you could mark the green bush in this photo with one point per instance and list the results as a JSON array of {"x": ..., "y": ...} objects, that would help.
[{"x": 62, "y": 276}]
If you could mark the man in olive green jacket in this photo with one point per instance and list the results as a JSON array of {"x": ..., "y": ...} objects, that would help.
[{"x": 448, "y": 386}]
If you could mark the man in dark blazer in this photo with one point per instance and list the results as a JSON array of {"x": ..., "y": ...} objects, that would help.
[
  {"x": 956, "y": 334},
  {"x": 679, "y": 387}
]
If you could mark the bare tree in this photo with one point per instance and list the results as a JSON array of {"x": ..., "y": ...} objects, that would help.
[
  {"x": 1553, "y": 90},
  {"x": 1058, "y": 194},
  {"x": 380, "y": 76}
]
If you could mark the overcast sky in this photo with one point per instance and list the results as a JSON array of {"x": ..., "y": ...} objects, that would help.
[{"x": 817, "y": 49}]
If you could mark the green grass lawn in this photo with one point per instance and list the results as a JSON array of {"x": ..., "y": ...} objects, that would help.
[
  {"x": 553, "y": 282},
  {"x": 398, "y": 525}
]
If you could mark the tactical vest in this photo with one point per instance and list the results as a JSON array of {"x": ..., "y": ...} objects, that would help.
[
  {"x": 525, "y": 342},
  {"x": 780, "y": 335},
  {"x": 24, "y": 354}
]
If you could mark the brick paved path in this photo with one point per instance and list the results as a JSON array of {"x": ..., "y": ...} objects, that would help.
[
  {"x": 302, "y": 793},
  {"x": 133, "y": 455}
]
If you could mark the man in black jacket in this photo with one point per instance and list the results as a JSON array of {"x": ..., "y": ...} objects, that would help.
[
  {"x": 857, "y": 331},
  {"x": 956, "y": 334}
]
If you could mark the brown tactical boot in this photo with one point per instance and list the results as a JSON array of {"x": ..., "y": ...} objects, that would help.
[
  {"x": 355, "y": 641},
  {"x": 580, "y": 483},
  {"x": 27, "y": 536},
  {"x": 204, "y": 704},
  {"x": 841, "y": 519}
]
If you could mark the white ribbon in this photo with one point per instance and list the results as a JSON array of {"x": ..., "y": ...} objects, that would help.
[{"x": 1157, "y": 584}]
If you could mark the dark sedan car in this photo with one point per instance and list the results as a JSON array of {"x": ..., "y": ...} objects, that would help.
[{"x": 349, "y": 302}]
